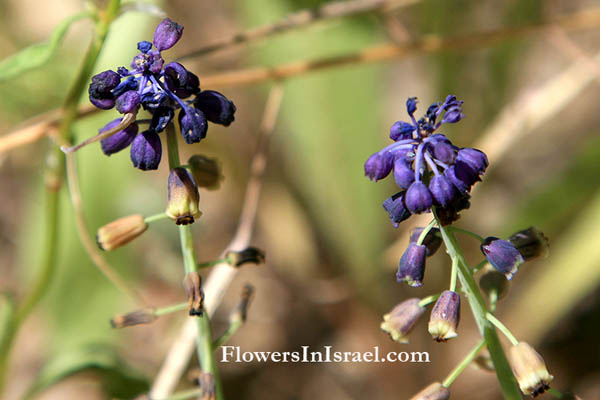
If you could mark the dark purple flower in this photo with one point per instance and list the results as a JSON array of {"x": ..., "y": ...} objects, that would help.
[
  {"x": 442, "y": 191},
  {"x": 444, "y": 151},
  {"x": 462, "y": 176},
  {"x": 453, "y": 115},
  {"x": 167, "y": 34},
  {"x": 445, "y": 316},
  {"x": 401, "y": 130},
  {"x": 412, "y": 265},
  {"x": 403, "y": 173},
  {"x": 119, "y": 140},
  {"x": 502, "y": 255},
  {"x": 146, "y": 151},
  {"x": 379, "y": 165},
  {"x": 476, "y": 159},
  {"x": 144, "y": 46},
  {"x": 432, "y": 240},
  {"x": 418, "y": 198},
  {"x": 216, "y": 107},
  {"x": 128, "y": 102},
  {"x": 411, "y": 105},
  {"x": 193, "y": 125},
  {"x": 396, "y": 209},
  {"x": 126, "y": 85},
  {"x": 181, "y": 81},
  {"x": 161, "y": 117},
  {"x": 100, "y": 89}
]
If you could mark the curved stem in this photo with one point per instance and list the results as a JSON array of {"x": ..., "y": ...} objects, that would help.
[
  {"x": 463, "y": 364},
  {"x": 502, "y": 328},
  {"x": 426, "y": 231},
  {"x": 466, "y": 232},
  {"x": 204, "y": 344},
  {"x": 429, "y": 299},
  {"x": 504, "y": 373}
]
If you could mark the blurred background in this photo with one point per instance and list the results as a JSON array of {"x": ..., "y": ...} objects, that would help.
[{"x": 531, "y": 103}]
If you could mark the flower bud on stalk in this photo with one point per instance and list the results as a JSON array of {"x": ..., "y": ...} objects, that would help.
[
  {"x": 432, "y": 240},
  {"x": 206, "y": 171},
  {"x": 412, "y": 265},
  {"x": 445, "y": 316},
  {"x": 502, "y": 255},
  {"x": 137, "y": 317},
  {"x": 531, "y": 243},
  {"x": 193, "y": 288},
  {"x": 400, "y": 321},
  {"x": 435, "y": 391},
  {"x": 120, "y": 232},
  {"x": 529, "y": 369},
  {"x": 183, "y": 197}
]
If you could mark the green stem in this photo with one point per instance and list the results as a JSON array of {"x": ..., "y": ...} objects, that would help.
[
  {"x": 212, "y": 263},
  {"x": 453, "y": 274},
  {"x": 505, "y": 376},
  {"x": 481, "y": 264},
  {"x": 170, "y": 309},
  {"x": 502, "y": 328},
  {"x": 184, "y": 395},
  {"x": 429, "y": 299},
  {"x": 155, "y": 217},
  {"x": 466, "y": 232},
  {"x": 555, "y": 393},
  {"x": 204, "y": 344},
  {"x": 463, "y": 364},
  {"x": 426, "y": 231},
  {"x": 231, "y": 330},
  {"x": 54, "y": 175}
]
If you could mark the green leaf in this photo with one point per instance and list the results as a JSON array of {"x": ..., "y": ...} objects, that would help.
[
  {"x": 38, "y": 54},
  {"x": 118, "y": 380}
]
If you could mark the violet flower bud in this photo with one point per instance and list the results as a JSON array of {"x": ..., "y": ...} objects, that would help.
[
  {"x": 119, "y": 140},
  {"x": 403, "y": 173},
  {"x": 399, "y": 322},
  {"x": 216, "y": 107},
  {"x": 418, "y": 198},
  {"x": 379, "y": 165},
  {"x": 435, "y": 391},
  {"x": 529, "y": 369},
  {"x": 144, "y": 46},
  {"x": 453, "y": 115},
  {"x": 462, "y": 176},
  {"x": 181, "y": 81},
  {"x": 396, "y": 209},
  {"x": 476, "y": 159},
  {"x": 128, "y": 102},
  {"x": 161, "y": 117},
  {"x": 531, "y": 243},
  {"x": 502, "y": 255},
  {"x": 411, "y": 268},
  {"x": 120, "y": 232},
  {"x": 411, "y": 105},
  {"x": 167, "y": 33},
  {"x": 442, "y": 191},
  {"x": 146, "y": 151},
  {"x": 206, "y": 171},
  {"x": 183, "y": 197},
  {"x": 193, "y": 125},
  {"x": 445, "y": 316},
  {"x": 432, "y": 240},
  {"x": 100, "y": 89},
  {"x": 401, "y": 130},
  {"x": 444, "y": 151}
]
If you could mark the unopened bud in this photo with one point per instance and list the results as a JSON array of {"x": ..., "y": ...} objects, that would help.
[
  {"x": 432, "y": 240},
  {"x": 399, "y": 322},
  {"x": 529, "y": 369},
  {"x": 193, "y": 288},
  {"x": 183, "y": 197},
  {"x": 120, "y": 232},
  {"x": 411, "y": 268},
  {"x": 241, "y": 311},
  {"x": 206, "y": 171},
  {"x": 503, "y": 256},
  {"x": 445, "y": 316},
  {"x": 494, "y": 281},
  {"x": 137, "y": 317},
  {"x": 531, "y": 243},
  {"x": 248, "y": 255},
  {"x": 435, "y": 391}
]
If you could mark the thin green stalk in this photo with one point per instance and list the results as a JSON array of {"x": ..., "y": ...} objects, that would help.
[
  {"x": 505, "y": 376},
  {"x": 466, "y": 232},
  {"x": 426, "y": 231},
  {"x": 54, "y": 176},
  {"x": 429, "y": 299},
  {"x": 170, "y": 309},
  {"x": 204, "y": 344},
  {"x": 155, "y": 217},
  {"x": 453, "y": 274},
  {"x": 502, "y": 328},
  {"x": 555, "y": 393},
  {"x": 233, "y": 327},
  {"x": 481, "y": 264},
  {"x": 463, "y": 364}
]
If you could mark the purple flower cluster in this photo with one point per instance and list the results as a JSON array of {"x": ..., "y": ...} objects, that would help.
[
  {"x": 161, "y": 90},
  {"x": 429, "y": 169}
]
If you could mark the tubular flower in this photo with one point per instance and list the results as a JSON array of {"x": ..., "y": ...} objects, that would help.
[
  {"x": 400, "y": 321},
  {"x": 429, "y": 169},
  {"x": 162, "y": 90}
]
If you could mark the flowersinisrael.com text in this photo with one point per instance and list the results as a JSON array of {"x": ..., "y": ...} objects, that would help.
[{"x": 325, "y": 355}]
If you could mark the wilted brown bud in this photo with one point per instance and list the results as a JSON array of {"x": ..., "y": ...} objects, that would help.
[
  {"x": 183, "y": 197},
  {"x": 435, "y": 391},
  {"x": 137, "y": 317},
  {"x": 193, "y": 288},
  {"x": 241, "y": 311},
  {"x": 445, "y": 316},
  {"x": 494, "y": 281},
  {"x": 399, "y": 322},
  {"x": 484, "y": 362},
  {"x": 529, "y": 369},
  {"x": 206, "y": 382},
  {"x": 206, "y": 171},
  {"x": 248, "y": 255},
  {"x": 120, "y": 232},
  {"x": 531, "y": 243}
]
